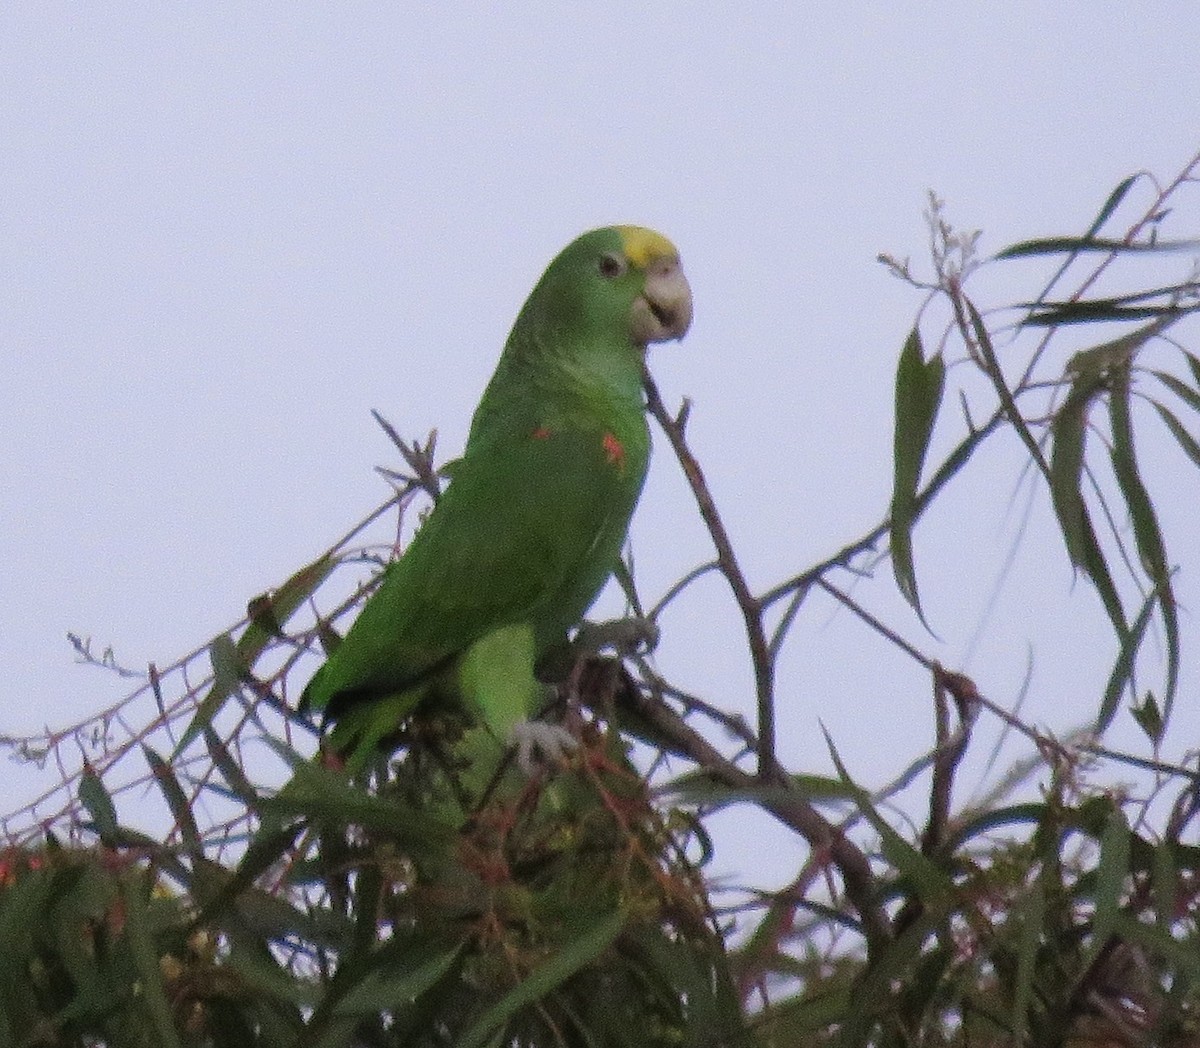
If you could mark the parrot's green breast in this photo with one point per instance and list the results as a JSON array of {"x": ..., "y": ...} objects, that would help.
[{"x": 532, "y": 524}]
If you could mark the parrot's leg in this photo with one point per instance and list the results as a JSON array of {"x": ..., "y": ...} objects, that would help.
[{"x": 497, "y": 681}]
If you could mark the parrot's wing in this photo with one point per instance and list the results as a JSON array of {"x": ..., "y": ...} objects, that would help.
[{"x": 519, "y": 522}]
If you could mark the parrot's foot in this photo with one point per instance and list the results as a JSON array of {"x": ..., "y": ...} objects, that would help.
[
  {"x": 631, "y": 636},
  {"x": 536, "y": 739}
]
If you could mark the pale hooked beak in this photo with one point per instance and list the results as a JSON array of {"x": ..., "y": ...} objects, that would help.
[{"x": 664, "y": 309}]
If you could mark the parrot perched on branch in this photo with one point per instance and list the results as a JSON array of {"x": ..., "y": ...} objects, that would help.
[{"x": 535, "y": 515}]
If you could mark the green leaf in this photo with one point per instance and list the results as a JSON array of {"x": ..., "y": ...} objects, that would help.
[
  {"x": 1165, "y": 879},
  {"x": 996, "y": 374},
  {"x": 919, "y": 388},
  {"x": 231, "y": 771},
  {"x": 216, "y": 890},
  {"x": 697, "y": 788},
  {"x": 263, "y": 973},
  {"x": 1069, "y": 431},
  {"x": 1080, "y": 245},
  {"x": 1111, "y": 874},
  {"x": 99, "y": 804},
  {"x": 592, "y": 940},
  {"x": 317, "y": 794},
  {"x": 1097, "y": 311},
  {"x": 1111, "y": 204},
  {"x": 1122, "y": 671},
  {"x": 1030, "y": 910},
  {"x": 986, "y": 822},
  {"x": 874, "y": 993},
  {"x": 1185, "y": 440},
  {"x": 1066, "y": 478},
  {"x": 145, "y": 956},
  {"x": 1147, "y": 534},
  {"x": 1181, "y": 389},
  {"x": 270, "y": 611},
  {"x": 228, "y": 674},
  {"x": 1160, "y": 942},
  {"x": 1118, "y": 352},
  {"x": 932, "y": 885},
  {"x": 177, "y": 802},
  {"x": 397, "y": 975},
  {"x": 232, "y": 662},
  {"x": 1149, "y": 718}
]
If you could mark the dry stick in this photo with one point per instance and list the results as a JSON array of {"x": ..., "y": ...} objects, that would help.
[
  {"x": 748, "y": 604},
  {"x": 786, "y": 804},
  {"x": 792, "y": 810},
  {"x": 947, "y": 755},
  {"x": 958, "y": 684}
]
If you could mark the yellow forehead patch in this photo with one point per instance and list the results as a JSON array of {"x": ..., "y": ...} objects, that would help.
[{"x": 643, "y": 245}]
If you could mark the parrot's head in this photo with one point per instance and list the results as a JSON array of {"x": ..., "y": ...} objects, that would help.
[{"x": 622, "y": 284}]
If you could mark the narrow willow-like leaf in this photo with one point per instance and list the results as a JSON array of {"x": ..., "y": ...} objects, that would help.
[
  {"x": 228, "y": 671},
  {"x": 1097, "y": 569},
  {"x": 1193, "y": 365},
  {"x": 1181, "y": 389},
  {"x": 919, "y": 388},
  {"x": 874, "y": 994},
  {"x": 99, "y": 804},
  {"x": 1031, "y": 912},
  {"x": 696, "y": 788},
  {"x": 1069, "y": 431},
  {"x": 1111, "y": 204},
  {"x": 396, "y": 977},
  {"x": 269, "y": 845},
  {"x": 1185, "y": 440},
  {"x": 1111, "y": 873},
  {"x": 230, "y": 770},
  {"x": 1105, "y": 212},
  {"x": 1122, "y": 671},
  {"x": 1095, "y": 311},
  {"x": 1147, "y": 533},
  {"x": 269, "y": 612},
  {"x": 1089, "y": 237},
  {"x": 1165, "y": 881},
  {"x": 262, "y": 972},
  {"x": 1164, "y": 297},
  {"x": 1066, "y": 478},
  {"x": 315, "y": 793},
  {"x": 932, "y": 884},
  {"x": 177, "y": 802},
  {"x": 987, "y": 822},
  {"x": 1003, "y": 393},
  {"x": 587, "y": 945},
  {"x": 145, "y": 957},
  {"x": 1119, "y": 352},
  {"x": 1080, "y": 245},
  {"x": 1180, "y": 953}
]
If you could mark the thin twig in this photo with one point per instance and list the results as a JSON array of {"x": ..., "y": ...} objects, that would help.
[
  {"x": 785, "y": 804},
  {"x": 750, "y": 607}
]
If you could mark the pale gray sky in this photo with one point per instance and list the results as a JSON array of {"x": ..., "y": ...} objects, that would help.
[{"x": 228, "y": 232}]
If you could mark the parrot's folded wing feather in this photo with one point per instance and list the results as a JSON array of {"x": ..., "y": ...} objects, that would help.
[{"x": 519, "y": 522}]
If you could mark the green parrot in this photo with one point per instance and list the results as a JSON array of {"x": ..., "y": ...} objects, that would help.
[{"x": 532, "y": 523}]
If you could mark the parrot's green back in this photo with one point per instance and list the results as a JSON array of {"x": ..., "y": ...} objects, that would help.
[{"x": 533, "y": 520}]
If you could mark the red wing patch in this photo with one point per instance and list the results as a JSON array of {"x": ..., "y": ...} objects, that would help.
[{"x": 614, "y": 451}]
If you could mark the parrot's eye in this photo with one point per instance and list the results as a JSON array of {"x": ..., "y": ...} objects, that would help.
[{"x": 612, "y": 266}]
